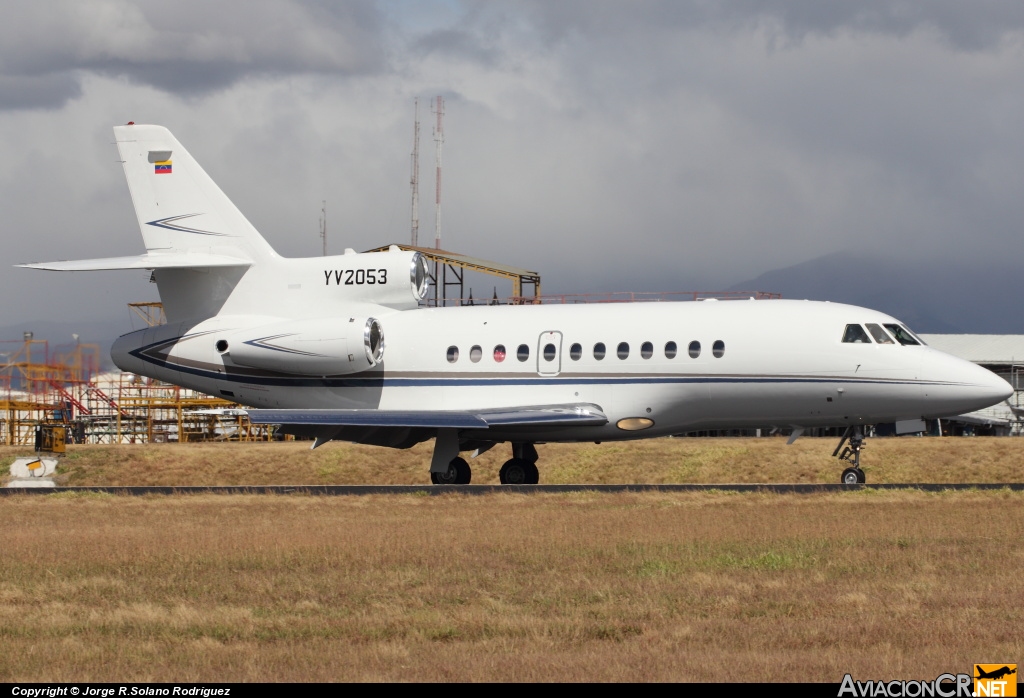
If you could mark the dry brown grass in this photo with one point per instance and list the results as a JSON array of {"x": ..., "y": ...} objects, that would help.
[
  {"x": 651, "y": 461},
  {"x": 509, "y": 587}
]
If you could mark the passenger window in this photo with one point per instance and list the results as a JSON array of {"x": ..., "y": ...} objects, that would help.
[
  {"x": 599, "y": 351},
  {"x": 902, "y": 335},
  {"x": 694, "y": 349},
  {"x": 549, "y": 352},
  {"x": 855, "y": 334},
  {"x": 646, "y": 350},
  {"x": 670, "y": 350},
  {"x": 475, "y": 353},
  {"x": 879, "y": 334},
  {"x": 499, "y": 353},
  {"x": 523, "y": 352},
  {"x": 453, "y": 354},
  {"x": 718, "y": 348},
  {"x": 575, "y": 352},
  {"x": 623, "y": 350}
]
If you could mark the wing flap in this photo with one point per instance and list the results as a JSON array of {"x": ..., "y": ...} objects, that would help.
[
  {"x": 369, "y": 418},
  {"x": 583, "y": 414},
  {"x": 143, "y": 261}
]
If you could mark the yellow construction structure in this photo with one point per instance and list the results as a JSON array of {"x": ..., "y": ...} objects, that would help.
[{"x": 66, "y": 388}]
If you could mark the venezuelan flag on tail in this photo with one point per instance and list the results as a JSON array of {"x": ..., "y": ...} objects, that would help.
[{"x": 162, "y": 167}]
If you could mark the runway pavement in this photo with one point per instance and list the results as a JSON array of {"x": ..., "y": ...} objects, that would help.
[{"x": 353, "y": 490}]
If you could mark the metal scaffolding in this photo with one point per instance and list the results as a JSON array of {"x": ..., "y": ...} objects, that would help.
[{"x": 65, "y": 387}]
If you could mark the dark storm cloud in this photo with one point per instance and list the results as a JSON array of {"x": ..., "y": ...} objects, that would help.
[
  {"x": 186, "y": 48},
  {"x": 49, "y": 91},
  {"x": 966, "y": 25},
  {"x": 464, "y": 45},
  {"x": 633, "y": 145}
]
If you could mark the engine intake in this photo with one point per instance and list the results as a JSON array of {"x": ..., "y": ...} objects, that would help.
[{"x": 322, "y": 347}]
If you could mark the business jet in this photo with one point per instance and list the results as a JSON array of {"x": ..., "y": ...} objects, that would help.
[{"x": 341, "y": 348}]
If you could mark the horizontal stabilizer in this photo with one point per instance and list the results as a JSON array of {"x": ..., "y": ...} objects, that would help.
[
  {"x": 553, "y": 415},
  {"x": 144, "y": 261}
]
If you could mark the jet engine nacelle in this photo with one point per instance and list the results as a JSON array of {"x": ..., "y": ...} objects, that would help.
[
  {"x": 394, "y": 278},
  {"x": 320, "y": 347}
]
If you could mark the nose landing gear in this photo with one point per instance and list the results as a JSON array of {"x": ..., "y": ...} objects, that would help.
[{"x": 851, "y": 454}]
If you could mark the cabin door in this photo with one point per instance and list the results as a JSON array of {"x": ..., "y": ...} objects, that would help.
[{"x": 549, "y": 353}]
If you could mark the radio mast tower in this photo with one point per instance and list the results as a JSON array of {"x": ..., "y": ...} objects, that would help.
[
  {"x": 323, "y": 226},
  {"x": 415, "y": 180},
  {"x": 438, "y": 139}
]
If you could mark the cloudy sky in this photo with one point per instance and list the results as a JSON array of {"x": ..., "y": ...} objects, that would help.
[{"x": 609, "y": 145}]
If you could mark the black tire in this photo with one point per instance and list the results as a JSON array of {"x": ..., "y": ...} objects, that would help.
[
  {"x": 464, "y": 474},
  {"x": 860, "y": 476},
  {"x": 514, "y": 472},
  {"x": 852, "y": 476},
  {"x": 533, "y": 477},
  {"x": 447, "y": 478},
  {"x": 518, "y": 472},
  {"x": 459, "y": 473}
]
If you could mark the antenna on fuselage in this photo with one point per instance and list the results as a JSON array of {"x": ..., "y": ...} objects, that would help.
[
  {"x": 438, "y": 139},
  {"x": 323, "y": 226},
  {"x": 415, "y": 178}
]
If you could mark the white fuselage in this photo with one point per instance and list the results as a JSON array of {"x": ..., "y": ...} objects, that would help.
[
  {"x": 783, "y": 363},
  {"x": 302, "y": 338}
]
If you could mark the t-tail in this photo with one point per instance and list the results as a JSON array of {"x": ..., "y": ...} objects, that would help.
[
  {"x": 181, "y": 211},
  {"x": 209, "y": 260}
]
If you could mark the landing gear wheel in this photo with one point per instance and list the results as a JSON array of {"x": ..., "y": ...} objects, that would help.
[
  {"x": 853, "y": 476},
  {"x": 458, "y": 473},
  {"x": 519, "y": 472},
  {"x": 851, "y": 454}
]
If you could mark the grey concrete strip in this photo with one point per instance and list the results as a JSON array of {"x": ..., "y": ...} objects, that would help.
[{"x": 348, "y": 490}]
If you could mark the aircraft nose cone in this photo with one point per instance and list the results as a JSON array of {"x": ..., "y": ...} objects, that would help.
[
  {"x": 960, "y": 387},
  {"x": 996, "y": 388}
]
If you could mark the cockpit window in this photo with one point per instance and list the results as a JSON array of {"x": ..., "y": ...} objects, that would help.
[
  {"x": 902, "y": 335},
  {"x": 879, "y": 334},
  {"x": 855, "y": 334},
  {"x": 914, "y": 336}
]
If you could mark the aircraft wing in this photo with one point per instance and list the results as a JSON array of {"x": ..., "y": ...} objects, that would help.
[
  {"x": 581, "y": 414},
  {"x": 169, "y": 260}
]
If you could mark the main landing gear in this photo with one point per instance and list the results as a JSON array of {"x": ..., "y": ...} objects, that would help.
[
  {"x": 851, "y": 454},
  {"x": 458, "y": 473},
  {"x": 521, "y": 469}
]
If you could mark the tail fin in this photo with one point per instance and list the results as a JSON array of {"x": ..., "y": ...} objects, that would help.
[{"x": 179, "y": 207}]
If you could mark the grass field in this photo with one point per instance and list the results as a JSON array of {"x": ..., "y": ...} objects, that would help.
[
  {"x": 510, "y": 587},
  {"x": 651, "y": 461}
]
